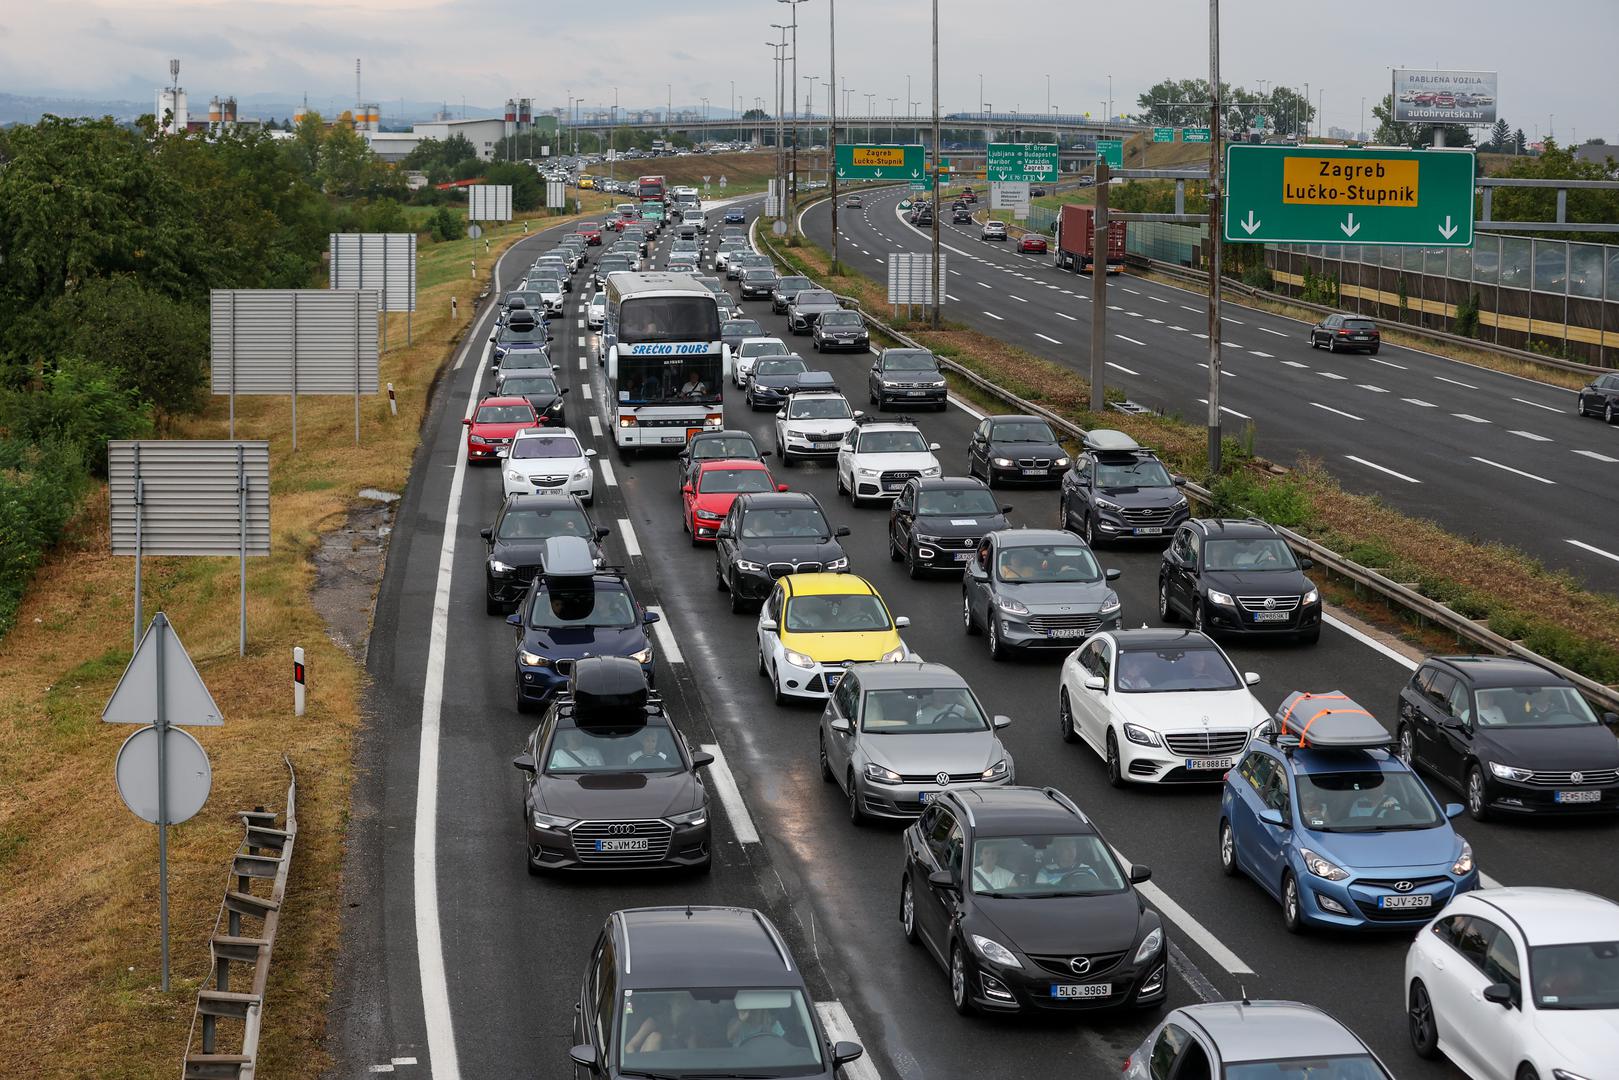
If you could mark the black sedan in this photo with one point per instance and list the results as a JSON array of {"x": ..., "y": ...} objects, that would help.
[
  {"x": 728, "y": 444},
  {"x": 1345, "y": 333},
  {"x": 1016, "y": 449},
  {"x": 907, "y": 377},
  {"x": 936, "y": 523},
  {"x": 541, "y": 390},
  {"x": 844, "y": 330},
  {"x": 1600, "y": 398},
  {"x": 1022, "y": 902},
  {"x": 770, "y": 534},
  {"x": 807, "y": 306},
  {"x": 517, "y": 543}
]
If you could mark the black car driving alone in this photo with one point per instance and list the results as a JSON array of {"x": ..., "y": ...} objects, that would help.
[
  {"x": 769, "y": 534},
  {"x": 937, "y": 522}
]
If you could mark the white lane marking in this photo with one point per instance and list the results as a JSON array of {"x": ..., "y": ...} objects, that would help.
[
  {"x": 1338, "y": 412},
  {"x": 1018, "y": 298},
  {"x": 385, "y": 1068},
  {"x": 1133, "y": 314},
  {"x": 1536, "y": 404},
  {"x": 1233, "y": 322},
  {"x": 608, "y": 475},
  {"x": 1373, "y": 389},
  {"x": 1330, "y": 375},
  {"x": 1268, "y": 330},
  {"x": 584, "y": 388},
  {"x": 1295, "y": 363},
  {"x": 1131, "y": 340},
  {"x": 582, "y": 364},
  {"x": 966, "y": 408},
  {"x": 632, "y": 543},
  {"x": 1065, "y": 315},
  {"x": 1205, "y": 337},
  {"x": 1595, "y": 550},
  {"x": 403, "y": 1061},
  {"x": 1371, "y": 643},
  {"x": 1388, "y": 363},
  {"x": 1114, "y": 307},
  {"x": 1053, "y": 340},
  {"x": 1120, "y": 367},
  {"x": 1193, "y": 310},
  {"x": 1455, "y": 382},
  {"x": 955, "y": 272},
  {"x": 839, "y": 1028},
  {"x": 595, "y": 426},
  {"x": 1266, "y": 355},
  {"x": 581, "y": 341},
  {"x": 957, "y": 299},
  {"x": 1158, "y": 299},
  {"x": 1530, "y": 435},
  {"x": 1156, "y": 322},
  {"x": 723, "y": 782},
  {"x": 1470, "y": 418},
  {"x": 1510, "y": 469},
  {"x": 1382, "y": 469},
  {"x": 985, "y": 284},
  {"x": 1180, "y": 329},
  {"x": 1593, "y": 455},
  {"x": 1419, "y": 403},
  {"x": 1223, "y": 344},
  {"x": 665, "y": 635},
  {"x": 1189, "y": 926},
  {"x": 994, "y": 316},
  {"x": 1129, "y": 290},
  {"x": 1233, "y": 412}
]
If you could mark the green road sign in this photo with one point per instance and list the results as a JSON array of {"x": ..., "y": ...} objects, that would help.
[
  {"x": 1322, "y": 195},
  {"x": 879, "y": 162},
  {"x": 1111, "y": 151},
  {"x": 1194, "y": 135},
  {"x": 1019, "y": 162},
  {"x": 1163, "y": 134}
]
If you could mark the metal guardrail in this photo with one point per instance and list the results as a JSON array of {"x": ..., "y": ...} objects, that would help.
[
  {"x": 265, "y": 855},
  {"x": 1424, "y": 608}
]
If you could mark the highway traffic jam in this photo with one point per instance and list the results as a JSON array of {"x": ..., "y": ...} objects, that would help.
[{"x": 843, "y": 728}]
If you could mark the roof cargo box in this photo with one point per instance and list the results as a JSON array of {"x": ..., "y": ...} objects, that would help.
[{"x": 1328, "y": 721}]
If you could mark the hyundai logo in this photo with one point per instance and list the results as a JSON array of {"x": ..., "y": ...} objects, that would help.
[
  {"x": 1080, "y": 965},
  {"x": 620, "y": 830},
  {"x": 1404, "y": 886},
  {"x": 943, "y": 779},
  {"x": 1270, "y": 603},
  {"x": 1576, "y": 778}
]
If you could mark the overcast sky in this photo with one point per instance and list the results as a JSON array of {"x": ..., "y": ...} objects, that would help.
[{"x": 1555, "y": 57}]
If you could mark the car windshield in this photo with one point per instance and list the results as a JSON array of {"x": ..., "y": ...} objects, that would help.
[
  {"x": 551, "y": 446},
  {"x": 740, "y": 328},
  {"x": 527, "y": 331},
  {"x": 716, "y": 1031},
  {"x": 838, "y": 613},
  {"x": 784, "y": 522},
  {"x": 519, "y": 359},
  {"x": 781, "y": 367},
  {"x": 893, "y": 442},
  {"x": 1073, "y": 865},
  {"x": 1533, "y": 706},
  {"x": 1147, "y": 472},
  {"x": 792, "y": 283},
  {"x": 541, "y": 524},
  {"x": 818, "y": 408},
  {"x": 644, "y": 319},
  {"x": 1252, "y": 554},
  {"x": 938, "y": 710},
  {"x": 610, "y": 263},
  {"x": 1029, "y": 563},
  {"x": 908, "y": 360},
  {"x": 734, "y": 481},
  {"x": 505, "y": 414},
  {"x": 1366, "y": 800},
  {"x": 529, "y": 384},
  {"x": 815, "y": 298},
  {"x": 597, "y": 607},
  {"x": 1022, "y": 431},
  {"x": 758, "y": 273},
  {"x": 1342, "y": 1067},
  {"x": 841, "y": 318},
  {"x": 956, "y": 502},
  {"x": 764, "y": 348},
  {"x": 1582, "y": 976},
  {"x": 1177, "y": 670},
  {"x": 625, "y": 749},
  {"x": 599, "y": 301},
  {"x": 725, "y": 447}
]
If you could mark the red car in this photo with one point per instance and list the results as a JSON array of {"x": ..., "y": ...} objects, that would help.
[
  {"x": 1032, "y": 242},
  {"x": 591, "y": 231},
  {"x": 491, "y": 427},
  {"x": 714, "y": 487}
]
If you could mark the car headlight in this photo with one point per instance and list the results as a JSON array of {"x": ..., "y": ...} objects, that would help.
[
  {"x": 994, "y": 951},
  {"x": 1111, "y": 604},
  {"x": 582, "y": 474},
  {"x": 1464, "y": 861},
  {"x": 642, "y": 657},
  {"x": 932, "y": 471},
  {"x": 1141, "y": 736},
  {"x": 1150, "y": 944},
  {"x": 692, "y": 817},
  {"x": 894, "y": 656},
  {"x": 995, "y": 771},
  {"x": 1311, "y": 597},
  {"x": 837, "y": 565},
  {"x": 794, "y": 433},
  {"x": 554, "y": 406},
  {"x": 1107, "y": 504},
  {"x": 709, "y": 515},
  {"x": 879, "y": 775},
  {"x": 1010, "y": 606},
  {"x": 1003, "y": 462},
  {"x": 748, "y": 567},
  {"x": 1061, "y": 463},
  {"x": 798, "y": 659},
  {"x": 937, "y": 384},
  {"x": 498, "y": 567},
  {"x": 1509, "y": 772},
  {"x": 869, "y": 472},
  {"x": 1218, "y": 597},
  {"x": 1320, "y": 867},
  {"x": 1564, "y": 1074},
  {"x": 549, "y": 821},
  {"x": 531, "y": 659}
]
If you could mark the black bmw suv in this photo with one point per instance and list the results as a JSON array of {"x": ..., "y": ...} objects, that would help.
[
  {"x": 1237, "y": 576},
  {"x": 1118, "y": 490},
  {"x": 936, "y": 523},
  {"x": 517, "y": 543},
  {"x": 769, "y": 534},
  {"x": 1017, "y": 895}
]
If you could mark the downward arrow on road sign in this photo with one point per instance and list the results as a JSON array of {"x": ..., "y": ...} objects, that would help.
[
  {"x": 1447, "y": 230},
  {"x": 879, "y": 174},
  {"x": 840, "y": 174},
  {"x": 1249, "y": 224},
  {"x": 1349, "y": 227}
]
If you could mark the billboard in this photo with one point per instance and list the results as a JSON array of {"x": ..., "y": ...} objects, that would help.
[{"x": 1444, "y": 97}]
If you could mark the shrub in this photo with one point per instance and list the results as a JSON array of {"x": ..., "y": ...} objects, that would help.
[
  {"x": 1280, "y": 500},
  {"x": 444, "y": 224},
  {"x": 78, "y": 407},
  {"x": 40, "y": 488}
]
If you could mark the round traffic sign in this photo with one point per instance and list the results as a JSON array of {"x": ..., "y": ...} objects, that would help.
[
  {"x": 190, "y": 776},
  {"x": 779, "y": 228},
  {"x": 474, "y": 231}
]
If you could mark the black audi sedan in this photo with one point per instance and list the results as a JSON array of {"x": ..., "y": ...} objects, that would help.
[
  {"x": 1017, "y": 895},
  {"x": 1016, "y": 450},
  {"x": 1600, "y": 397},
  {"x": 609, "y": 782},
  {"x": 1237, "y": 576},
  {"x": 1511, "y": 736},
  {"x": 517, "y": 543},
  {"x": 936, "y": 523},
  {"x": 769, "y": 534}
]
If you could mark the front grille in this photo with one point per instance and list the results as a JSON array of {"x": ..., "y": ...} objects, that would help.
[
  {"x": 823, "y": 436},
  {"x": 564, "y": 667},
  {"x": 1087, "y": 623},
  {"x": 1416, "y": 883},
  {"x": 1100, "y": 963},
  {"x": 1206, "y": 743},
  {"x": 1034, "y": 462},
  {"x": 655, "y": 832},
  {"x": 1268, "y": 603},
  {"x": 548, "y": 481},
  {"x": 780, "y": 569},
  {"x": 933, "y": 778},
  {"x": 949, "y": 543},
  {"x": 1564, "y": 779},
  {"x": 909, "y": 386},
  {"x": 1147, "y": 515},
  {"x": 897, "y": 478}
]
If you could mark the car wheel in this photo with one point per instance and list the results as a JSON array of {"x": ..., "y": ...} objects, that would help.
[
  {"x": 1228, "y": 849},
  {"x": 1062, "y": 512},
  {"x": 872, "y": 394},
  {"x": 1115, "y": 764},
  {"x": 1407, "y": 747},
  {"x": 1065, "y": 719},
  {"x": 1332, "y": 344},
  {"x": 967, "y": 623},
  {"x": 739, "y": 606},
  {"x": 763, "y": 671},
  {"x": 1313, "y": 343},
  {"x": 1419, "y": 1018},
  {"x": 907, "y": 911},
  {"x": 775, "y": 684},
  {"x": 1476, "y": 804},
  {"x": 1374, "y": 349},
  {"x": 1090, "y": 530},
  {"x": 1527, "y": 1071},
  {"x": 1197, "y": 615},
  {"x": 894, "y": 553},
  {"x": 693, "y": 534},
  {"x": 1607, "y": 412},
  {"x": 1292, "y": 914},
  {"x": 857, "y": 814},
  {"x": 491, "y": 606},
  {"x": 826, "y": 769},
  {"x": 839, "y": 481},
  {"x": 1166, "y": 611},
  {"x": 719, "y": 577},
  {"x": 958, "y": 982},
  {"x": 523, "y": 707},
  {"x": 997, "y": 648},
  {"x": 912, "y": 567}
]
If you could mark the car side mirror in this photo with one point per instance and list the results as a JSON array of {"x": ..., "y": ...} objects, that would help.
[
  {"x": 1112, "y": 574},
  {"x": 1139, "y": 873},
  {"x": 1178, "y": 481},
  {"x": 875, "y": 367},
  {"x": 1499, "y": 994},
  {"x": 701, "y": 759},
  {"x": 525, "y": 762},
  {"x": 1251, "y": 678},
  {"x": 781, "y": 487},
  {"x": 1272, "y": 817},
  {"x": 723, "y": 534},
  {"x": 845, "y": 1052},
  {"x": 841, "y": 726},
  {"x": 584, "y": 1056},
  {"x": 590, "y": 453},
  {"x": 1611, "y": 719},
  {"x": 764, "y": 454},
  {"x": 514, "y": 619},
  {"x": 841, "y": 530},
  {"x": 1454, "y": 809},
  {"x": 858, "y": 414},
  {"x": 1305, "y": 564},
  {"x": 1006, "y": 508},
  {"x": 489, "y": 534},
  {"x": 942, "y": 879},
  {"x": 901, "y": 622},
  {"x": 1002, "y": 722},
  {"x": 768, "y": 624},
  {"x": 651, "y": 617},
  {"x": 466, "y": 421},
  {"x": 564, "y": 389},
  {"x": 603, "y": 532},
  {"x": 782, "y": 415},
  {"x": 1095, "y": 682}
]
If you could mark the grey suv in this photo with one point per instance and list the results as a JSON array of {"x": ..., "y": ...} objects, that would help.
[{"x": 1116, "y": 490}]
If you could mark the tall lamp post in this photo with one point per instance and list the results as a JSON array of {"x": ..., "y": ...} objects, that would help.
[
  {"x": 935, "y": 215},
  {"x": 781, "y": 150},
  {"x": 893, "y": 103},
  {"x": 832, "y": 128},
  {"x": 1215, "y": 214},
  {"x": 871, "y": 105},
  {"x": 793, "y": 170}
]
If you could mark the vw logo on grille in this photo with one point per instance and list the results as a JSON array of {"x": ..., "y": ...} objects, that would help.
[
  {"x": 1270, "y": 603},
  {"x": 943, "y": 779},
  {"x": 1404, "y": 886},
  {"x": 1080, "y": 965},
  {"x": 621, "y": 830},
  {"x": 1576, "y": 778}
]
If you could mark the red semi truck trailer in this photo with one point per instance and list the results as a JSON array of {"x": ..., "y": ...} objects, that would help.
[{"x": 1076, "y": 228}]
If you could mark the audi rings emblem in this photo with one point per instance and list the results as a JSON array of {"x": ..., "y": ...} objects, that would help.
[
  {"x": 1270, "y": 603},
  {"x": 1576, "y": 778},
  {"x": 1079, "y": 965},
  {"x": 620, "y": 830},
  {"x": 1404, "y": 886},
  {"x": 943, "y": 778}
]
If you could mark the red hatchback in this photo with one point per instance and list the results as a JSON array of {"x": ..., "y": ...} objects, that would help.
[
  {"x": 491, "y": 427},
  {"x": 591, "y": 231},
  {"x": 1032, "y": 242},
  {"x": 714, "y": 487}
]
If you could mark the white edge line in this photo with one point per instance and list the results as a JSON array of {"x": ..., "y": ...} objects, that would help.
[
  {"x": 724, "y": 784},
  {"x": 667, "y": 645},
  {"x": 1594, "y": 550},
  {"x": 632, "y": 543},
  {"x": 1371, "y": 643},
  {"x": 840, "y": 1028},
  {"x": 1189, "y": 926}
]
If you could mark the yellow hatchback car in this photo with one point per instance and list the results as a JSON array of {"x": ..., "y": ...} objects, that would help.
[{"x": 814, "y": 625}]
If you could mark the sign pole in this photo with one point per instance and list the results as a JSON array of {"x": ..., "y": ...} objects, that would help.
[
  {"x": 232, "y": 376},
  {"x": 139, "y": 497},
  {"x": 159, "y": 628},
  {"x": 295, "y": 370},
  {"x": 1214, "y": 240},
  {"x": 384, "y": 317},
  {"x": 832, "y": 135},
  {"x": 241, "y": 502},
  {"x": 935, "y": 193},
  {"x": 1099, "y": 238}
]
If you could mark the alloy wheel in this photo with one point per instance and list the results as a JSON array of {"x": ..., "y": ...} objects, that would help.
[
  {"x": 1290, "y": 906},
  {"x": 1164, "y": 612},
  {"x": 1406, "y": 747},
  {"x": 958, "y": 982},
  {"x": 907, "y": 910},
  {"x": 1065, "y": 719},
  {"x": 1475, "y": 795},
  {"x": 1424, "y": 1032},
  {"x": 1228, "y": 850},
  {"x": 967, "y": 616},
  {"x": 1115, "y": 767}
]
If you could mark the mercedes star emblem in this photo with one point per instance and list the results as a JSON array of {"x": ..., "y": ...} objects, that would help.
[
  {"x": 943, "y": 778},
  {"x": 1404, "y": 886},
  {"x": 1080, "y": 964}
]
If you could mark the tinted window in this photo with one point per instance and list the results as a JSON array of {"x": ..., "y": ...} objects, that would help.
[
  {"x": 733, "y": 481},
  {"x": 505, "y": 414},
  {"x": 740, "y": 328},
  {"x": 964, "y": 502},
  {"x": 816, "y": 297},
  {"x": 1583, "y": 976},
  {"x": 841, "y": 318},
  {"x": 1047, "y": 562},
  {"x": 1534, "y": 706},
  {"x": 836, "y": 614},
  {"x": 1474, "y": 940},
  {"x": 538, "y": 524},
  {"x": 933, "y": 711},
  {"x": 529, "y": 384},
  {"x": 908, "y": 360},
  {"x": 1024, "y": 431},
  {"x": 1147, "y": 671},
  {"x": 1348, "y": 1067},
  {"x": 729, "y": 447},
  {"x": 784, "y": 522},
  {"x": 1250, "y": 555}
]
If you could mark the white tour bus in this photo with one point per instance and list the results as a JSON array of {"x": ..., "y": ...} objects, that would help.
[{"x": 666, "y": 365}]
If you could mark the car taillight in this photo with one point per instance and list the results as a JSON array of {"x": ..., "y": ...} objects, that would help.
[{"x": 1343, "y": 331}]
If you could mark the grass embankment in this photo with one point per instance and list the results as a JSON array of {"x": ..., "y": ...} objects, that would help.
[
  {"x": 1519, "y": 598},
  {"x": 78, "y": 872}
]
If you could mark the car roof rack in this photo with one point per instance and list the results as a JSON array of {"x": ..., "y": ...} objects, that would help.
[
  {"x": 1066, "y": 803},
  {"x": 875, "y": 419},
  {"x": 1325, "y": 721}
]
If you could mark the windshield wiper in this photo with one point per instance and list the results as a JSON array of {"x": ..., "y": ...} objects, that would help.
[
  {"x": 1006, "y": 895},
  {"x": 653, "y": 1075}
]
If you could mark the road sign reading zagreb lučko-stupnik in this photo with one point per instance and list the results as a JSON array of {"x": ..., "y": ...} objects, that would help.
[
  {"x": 879, "y": 162},
  {"x": 1321, "y": 195}
]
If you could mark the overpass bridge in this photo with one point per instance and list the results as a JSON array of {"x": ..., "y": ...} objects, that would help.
[{"x": 991, "y": 127}]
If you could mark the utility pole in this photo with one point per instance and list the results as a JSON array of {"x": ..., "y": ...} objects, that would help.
[
  {"x": 892, "y": 103},
  {"x": 781, "y": 159},
  {"x": 1099, "y": 239},
  {"x": 871, "y": 102},
  {"x": 792, "y": 219},
  {"x": 936, "y": 283},
  {"x": 832, "y": 129},
  {"x": 1215, "y": 199}
]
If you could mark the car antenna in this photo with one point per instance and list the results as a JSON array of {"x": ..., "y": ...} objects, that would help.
[
  {"x": 688, "y": 909},
  {"x": 1241, "y": 989}
]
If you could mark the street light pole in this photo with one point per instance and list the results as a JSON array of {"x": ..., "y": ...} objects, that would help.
[
  {"x": 935, "y": 214},
  {"x": 1215, "y": 214},
  {"x": 832, "y": 129},
  {"x": 792, "y": 222},
  {"x": 893, "y": 102},
  {"x": 871, "y": 111}
]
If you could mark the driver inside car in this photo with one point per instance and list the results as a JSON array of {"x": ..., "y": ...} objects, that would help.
[{"x": 1061, "y": 861}]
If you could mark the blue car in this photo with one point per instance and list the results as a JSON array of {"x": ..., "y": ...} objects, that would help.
[
  {"x": 735, "y": 216},
  {"x": 1336, "y": 827},
  {"x": 572, "y": 610}
]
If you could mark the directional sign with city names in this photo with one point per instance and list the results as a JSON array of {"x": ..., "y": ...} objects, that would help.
[
  {"x": 880, "y": 162},
  {"x": 1195, "y": 135},
  {"x": 1111, "y": 151},
  {"x": 1317, "y": 195},
  {"x": 1163, "y": 134},
  {"x": 1017, "y": 162}
]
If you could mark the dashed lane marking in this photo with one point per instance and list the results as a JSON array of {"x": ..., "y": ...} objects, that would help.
[
  {"x": 1268, "y": 330},
  {"x": 1336, "y": 412},
  {"x": 1536, "y": 404},
  {"x": 723, "y": 782},
  {"x": 1594, "y": 550},
  {"x": 1530, "y": 435},
  {"x": 1065, "y": 315},
  {"x": 1121, "y": 367},
  {"x": 609, "y": 477},
  {"x": 1456, "y": 382},
  {"x": 1233, "y": 412},
  {"x": 632, "y": 543},
  {"x": 1383, "y": 469},
  {"x": 1053, "y": 340},
  {"x": 1515, "y": 472},
  {"x": 994, "y": 316},
  {"x": 1373, "y": 388},
  {"x": 595, "y": 426},
  {"x": 1131, "y": 340},
  {"x": 1594, "y": 456},
  {"x": 1470, "y": 418},
  {"x": 665, "y": 635}
]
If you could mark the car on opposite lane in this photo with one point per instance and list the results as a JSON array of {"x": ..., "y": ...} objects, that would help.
[
  {"x": 494, "y": 422},
  {"x": 767, "y": 536},
  {"x": 1036, "y": 589},
  {"x": 813, "y": 625},
  {"x": 1600, "y": 397},
  {"x": 1031, "y": 243},
  {"x": 1015, "y": 449},
  {"x": 517, "y": 539},
  {"x": 935, "y": 524},
  {"x": 714, "y": 485},
  {"x": 909, "y": 377},
  {"x": 1346, "y": 333}
]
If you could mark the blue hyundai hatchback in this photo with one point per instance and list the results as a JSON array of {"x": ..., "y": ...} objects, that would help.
[{"x": 1335, "y": 827}]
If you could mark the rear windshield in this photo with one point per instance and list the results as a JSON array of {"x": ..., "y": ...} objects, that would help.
[
  {"x": 1359, "y": 324},
  {"x": 781, "y": 367},
  {"x": 816, "y": 296},
  {"x": 554, "y": 446}
]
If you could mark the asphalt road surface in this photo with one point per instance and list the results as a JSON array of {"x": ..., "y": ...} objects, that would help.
[{"x": 457, "y": 963}]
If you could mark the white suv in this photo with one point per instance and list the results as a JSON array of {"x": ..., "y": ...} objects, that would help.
[
  {"x": 812, "y": 424},
  {"x": 876, "y": 459},
  {"x": 548, "y": 461}
]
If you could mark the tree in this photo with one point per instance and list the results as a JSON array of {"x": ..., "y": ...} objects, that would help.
[
  {"x": 1540, "y": 204},
  {"x": 1520, "y": 144},
  {"x": 755, "y": 114},
  {"x": 527, "y": 191},
  {"x": 1501, "y": 138},
  {"x": 1185, "y": 103}
]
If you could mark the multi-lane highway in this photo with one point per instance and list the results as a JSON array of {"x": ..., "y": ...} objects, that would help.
[
  {"x": 1485, "y": 454},
  {"x": 458, "y": 964}
]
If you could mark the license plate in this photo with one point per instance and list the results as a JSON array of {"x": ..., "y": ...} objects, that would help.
[
  {"x": 1209, "y": 764},
  {"x": 636, "y": 844},
  {"x": 1577, "y": 796},
  {"x": 915, "y": 393},
  {"x": 1405, "y": 903},
  {"x": 672, "y": 439},
  {"x": 963, "y": 556},
  {"x": 1067, "y": 632},
  {"x": 1034, "y": 472},
  {"x": 927, "y": 796},
  {"x": 832, "y": 678},
  {"x": 1150, "y": 530},
  {"x": 890, "y": 485},
  {"x": 1081, "y": 990},
  {"x": 1272, "y": 616}
]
